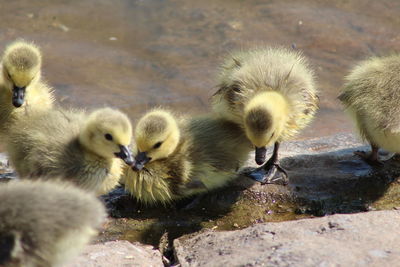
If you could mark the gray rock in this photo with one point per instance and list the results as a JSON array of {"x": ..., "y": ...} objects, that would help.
[
  {"x": 118, "y": 254},
  {"x": 363, "y": 239}
]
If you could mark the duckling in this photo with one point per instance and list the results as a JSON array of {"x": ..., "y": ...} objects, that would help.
[
  {"x": 271, "y": 93},
  {"x": 371, "y": 96},
  {"x": 179, "y": 157},
  {"x": 21, "y": 84},
  {"x": 45, "y": 223},
  {"x": 83, "y": 148}
]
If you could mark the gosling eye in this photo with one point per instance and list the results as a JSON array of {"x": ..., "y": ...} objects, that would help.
[
  {"x": 108, "y": 137},
  {"x": 157, "y": 145}
]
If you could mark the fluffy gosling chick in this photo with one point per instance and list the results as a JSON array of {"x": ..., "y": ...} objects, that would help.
[
  {"x": 371, "y": 96},
  {"x": 179, "y": 157},
  {"x": 85, "y": 149},
  {"x": 45, "y": 223},
  {"x": 21, "y": 84},
  {"x": 271, "y": 94}
]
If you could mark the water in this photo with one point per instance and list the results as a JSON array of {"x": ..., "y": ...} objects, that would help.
[{"x": 138, "y": 54}]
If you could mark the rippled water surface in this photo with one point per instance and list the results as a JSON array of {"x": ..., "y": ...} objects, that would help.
[{"x": 136, "y": 54}]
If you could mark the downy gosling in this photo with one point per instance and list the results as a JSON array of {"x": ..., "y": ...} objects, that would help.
[
  {"x": 371, "y": 95},
  {"x": 21, "y": 87},
  {"x": 178, "y": 157},
  {"x": 271, "y": 94},
  {"x": 45, "y": 224},
  {"x": 70, "y": 144}
]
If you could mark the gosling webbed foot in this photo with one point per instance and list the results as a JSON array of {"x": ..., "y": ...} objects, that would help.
[
  {"x": 370, "y": 158},
  {"x": 270, "y": 173}
]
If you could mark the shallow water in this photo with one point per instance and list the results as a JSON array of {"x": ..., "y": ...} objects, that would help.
[{"x": 136, "y": 54}]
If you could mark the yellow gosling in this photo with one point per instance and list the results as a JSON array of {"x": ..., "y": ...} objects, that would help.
[
  {"x": 178, "y": 157},
  {"x": 371, "y": 96},
  {"x": 270, "y": 92},
  {"x": 44, "y": 224},
  {"x": 84, "y": 148},
  {"x": 21, "y": 87}
]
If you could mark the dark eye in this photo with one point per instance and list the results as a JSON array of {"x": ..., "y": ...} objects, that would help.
[
  {"x": 108, "y": 137},
  {"x": 157, "y": 145}
]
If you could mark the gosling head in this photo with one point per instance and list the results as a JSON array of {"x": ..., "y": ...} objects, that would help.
[
  {"x": 21, "y": 68},
  {"x": 108, "y": 133},
  {"x": 265, "y": 118},
  {"x": 157, "y": 136}
]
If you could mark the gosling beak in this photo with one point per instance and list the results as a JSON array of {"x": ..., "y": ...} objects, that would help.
[
  {"x": 140, "y": 160},
  {"x": 18, "y": 96},
  {"x": 260, "y": 155},
  {"x": 125, "y": 154}
]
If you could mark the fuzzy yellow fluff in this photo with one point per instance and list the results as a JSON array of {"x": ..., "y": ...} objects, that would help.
[
  {"x": 72, "y": 145},
  {"x": 45, "y": 224},
  {"x": 371, "y": 95},
  {"x": 188, "y": 156},
  {"x": 270, "y": 92},
  {"x": 21, "y": 67}
]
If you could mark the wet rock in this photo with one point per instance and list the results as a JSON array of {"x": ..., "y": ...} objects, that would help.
[
  {"x": 118, "y": 253},
  {"x": 338, "y": 240}
]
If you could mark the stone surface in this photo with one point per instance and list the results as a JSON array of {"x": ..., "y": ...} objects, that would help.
[
  {"x": 118, "y": 254},
  {"x": 363, "y": 239}
]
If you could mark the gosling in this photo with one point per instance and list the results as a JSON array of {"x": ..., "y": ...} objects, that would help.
[
  {"x": 178, "y": 157},
  {"x": 21, "y": 87},
  {"x": 371, "y": 96},
  {"x": 271, "y": 94},
  {"x": 45, "y": 223},
  {"x": 85, "y": 149}
]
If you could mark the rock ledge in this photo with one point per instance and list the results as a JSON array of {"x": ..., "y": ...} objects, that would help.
[{"x": 339, "y": 240}]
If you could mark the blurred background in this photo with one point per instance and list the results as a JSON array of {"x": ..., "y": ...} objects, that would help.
[{"x": 137, "y": 54}]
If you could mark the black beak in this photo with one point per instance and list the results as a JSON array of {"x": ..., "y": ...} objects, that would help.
[
  {"x": 260, "y": 155},
  {"x": 140, "y": 160},
  {"x": 126, "y": 155},
  {"x": 18, "y": 96}
]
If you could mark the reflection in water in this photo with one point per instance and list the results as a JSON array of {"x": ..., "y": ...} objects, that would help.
[{"x": 138, "y": 54}]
